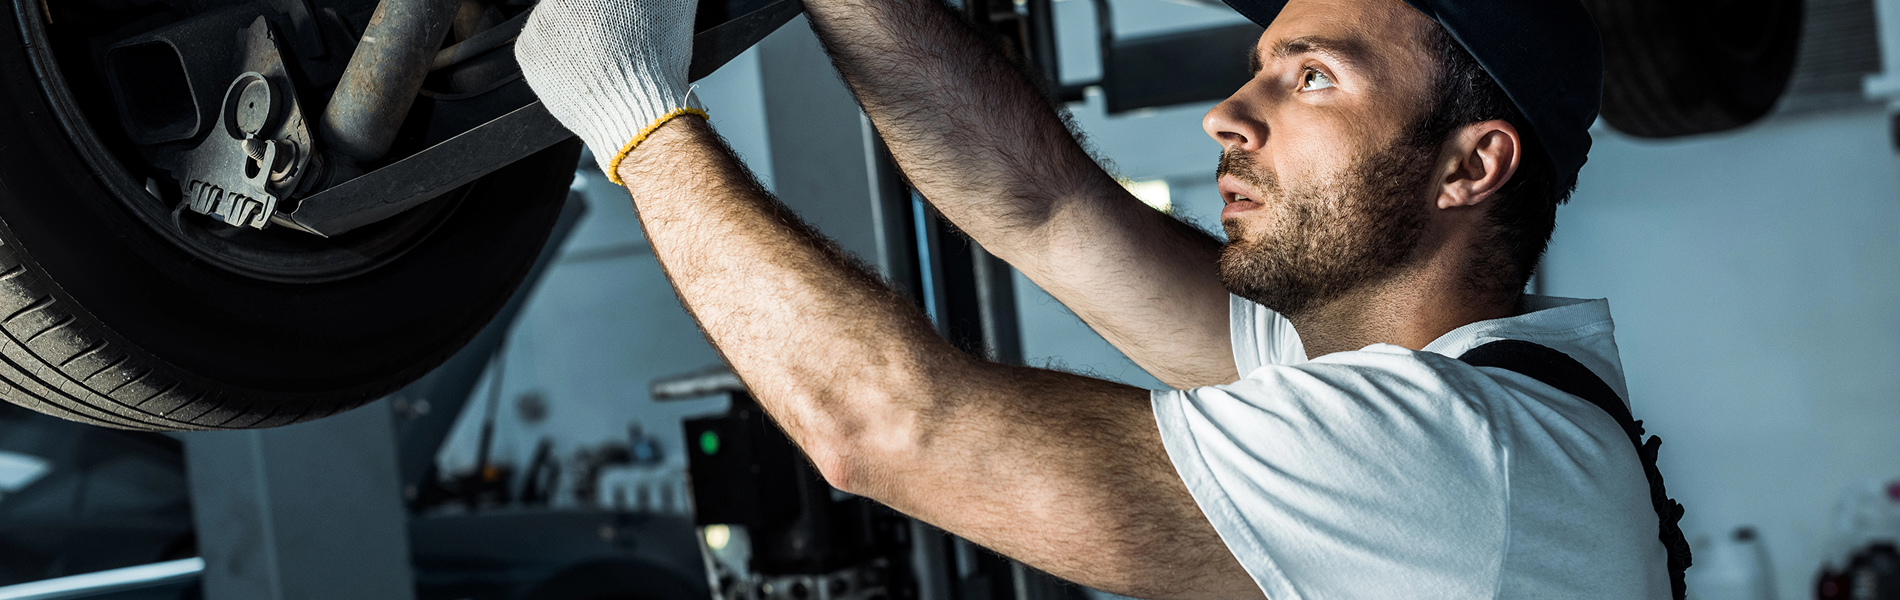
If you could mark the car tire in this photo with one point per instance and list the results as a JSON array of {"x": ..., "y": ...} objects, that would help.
[
  {"x": 1674, "y": 68},
  {"x": 104, "y": 321}
]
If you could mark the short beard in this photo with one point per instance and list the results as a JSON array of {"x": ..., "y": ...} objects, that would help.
[{"x": 1323, "y": 242}]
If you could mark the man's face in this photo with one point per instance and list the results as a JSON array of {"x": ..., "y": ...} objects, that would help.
[{"x": 1326, "y": 192}]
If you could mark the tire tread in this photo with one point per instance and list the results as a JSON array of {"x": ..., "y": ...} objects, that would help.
[{"x": 53, "y": 363}]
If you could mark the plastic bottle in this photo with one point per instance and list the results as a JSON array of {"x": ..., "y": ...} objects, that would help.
[
  {"x": 1864, "y": 563},
  {"x": 1734, "y": 567}
]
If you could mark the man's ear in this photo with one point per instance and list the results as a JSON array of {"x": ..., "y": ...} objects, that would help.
[{"x": 1479, "y": 160}]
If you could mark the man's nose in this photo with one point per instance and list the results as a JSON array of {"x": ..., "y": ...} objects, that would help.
[{"x": 1234, "y": 124}]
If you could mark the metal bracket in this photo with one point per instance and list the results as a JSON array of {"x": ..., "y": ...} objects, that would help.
[
  {"x": 216, "y": 186},
  {"x": 261, "y": 146},
  {"x": 223, "y": 176},
  {"x": 716, "y": 46},
  {"x": 455, "y": 162},
  {"x": 409, "y": 182},
  {"x": 167, "y": 82}
]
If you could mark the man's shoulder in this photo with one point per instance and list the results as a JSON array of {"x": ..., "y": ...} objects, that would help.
[
  {"x": 1434, "y": 403},
  {"x": 1582, "y": 329},
  {"x": 1354, "y": 458},
  {"x": 1381, "y": 394},
  {"x": 1396, "y": 438}
]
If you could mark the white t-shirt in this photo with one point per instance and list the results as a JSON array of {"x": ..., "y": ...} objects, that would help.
[{"x": 1392, "y": 473}]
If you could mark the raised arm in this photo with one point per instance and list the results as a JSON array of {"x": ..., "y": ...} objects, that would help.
[
  {"x": 1008, "y": 457},
  {"x": 975, "y": 135},
  {"x": 1065, "y": 473}
]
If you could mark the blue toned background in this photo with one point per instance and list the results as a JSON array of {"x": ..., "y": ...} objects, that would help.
[{"x": 1754, "y": 276}]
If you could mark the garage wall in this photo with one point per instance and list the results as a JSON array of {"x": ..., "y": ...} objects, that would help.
[
  {"x": 1755, "y": 281},
  {"x": 1755, "y": 276}
]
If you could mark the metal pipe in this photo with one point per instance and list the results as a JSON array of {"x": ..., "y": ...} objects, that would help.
[
  {"x": 384, "y": 75},
  {"x": 483, "y": 41}
]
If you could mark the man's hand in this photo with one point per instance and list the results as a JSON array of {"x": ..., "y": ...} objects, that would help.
[{"x": 610, "y": 70}]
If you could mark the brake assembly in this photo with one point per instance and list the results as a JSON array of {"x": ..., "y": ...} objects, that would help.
[{"x": 260, "y": 150}]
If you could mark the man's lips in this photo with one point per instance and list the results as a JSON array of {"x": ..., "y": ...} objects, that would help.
[
  {"x": 1231, "y": 191},
  {"x": 1238, "y": 198}
]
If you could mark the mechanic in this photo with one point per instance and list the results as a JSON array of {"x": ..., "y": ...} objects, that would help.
[{"x": 1391, "y": 175}]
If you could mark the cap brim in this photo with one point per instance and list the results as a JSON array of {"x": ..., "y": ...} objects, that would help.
[{"x": 1261, "y": 12}]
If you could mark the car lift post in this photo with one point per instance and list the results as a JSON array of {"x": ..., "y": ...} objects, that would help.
[{"x": 308, "y": 511}]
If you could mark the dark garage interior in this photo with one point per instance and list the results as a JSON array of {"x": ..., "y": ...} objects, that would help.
[{"x": 432, "y": 355}]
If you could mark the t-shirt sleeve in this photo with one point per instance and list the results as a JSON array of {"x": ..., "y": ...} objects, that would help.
[
  {"x": 1261, "y": 337},
  {"x": 1360, "y": 475}
]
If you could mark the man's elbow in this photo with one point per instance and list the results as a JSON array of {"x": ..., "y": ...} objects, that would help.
[
  {"x": 865, "y": 453},
  {"x": 856, "y": 468},
  {"x": 841, "y": 467},
  {"x": 873, "y": 429}
]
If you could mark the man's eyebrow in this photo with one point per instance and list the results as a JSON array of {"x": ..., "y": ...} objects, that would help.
[{"x": 1345, "y": 51}]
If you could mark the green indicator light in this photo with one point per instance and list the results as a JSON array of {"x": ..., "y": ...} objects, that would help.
[{"x": 709, "y": 442}]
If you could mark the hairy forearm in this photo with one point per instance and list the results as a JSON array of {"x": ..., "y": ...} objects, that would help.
[
  {"x": 813, "y": 335},
  {"x": 971, "y": 130},
  {"x": 974, "y": 134}
]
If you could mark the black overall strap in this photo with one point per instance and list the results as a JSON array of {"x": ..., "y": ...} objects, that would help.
[{"x": 1560, "y": 371}]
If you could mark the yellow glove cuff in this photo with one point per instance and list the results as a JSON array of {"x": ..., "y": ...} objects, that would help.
[{"x": 613, "y": 166}]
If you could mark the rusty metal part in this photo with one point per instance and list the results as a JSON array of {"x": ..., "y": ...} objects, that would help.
[
  {"x": 473, "y": 17},
  {"x": 360, "y": 200},
  {"x": 488, "y": 39},
  {"x": 384, "y": 75}
]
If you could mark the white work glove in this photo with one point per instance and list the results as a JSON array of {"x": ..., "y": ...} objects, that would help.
[{"x": 610, "y": 70}]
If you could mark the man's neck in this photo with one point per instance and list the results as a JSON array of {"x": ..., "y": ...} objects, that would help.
[{"x": 1411, "y": 311}]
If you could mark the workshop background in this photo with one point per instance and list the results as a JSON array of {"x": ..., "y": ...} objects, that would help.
[{"x": 1754, "y": 276}]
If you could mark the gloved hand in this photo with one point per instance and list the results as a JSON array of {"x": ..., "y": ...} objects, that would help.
[{"x": 610, "y": 70}]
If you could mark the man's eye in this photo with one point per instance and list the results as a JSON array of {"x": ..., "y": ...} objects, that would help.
[{"x": 1312, "y": 79}]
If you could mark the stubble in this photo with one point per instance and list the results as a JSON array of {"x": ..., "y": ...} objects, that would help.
[{"x": 1356, "y": 228}]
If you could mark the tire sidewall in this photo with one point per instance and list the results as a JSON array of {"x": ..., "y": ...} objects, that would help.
[{"x": 338, "y": 343}]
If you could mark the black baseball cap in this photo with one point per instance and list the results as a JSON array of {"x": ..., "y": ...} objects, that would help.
[{"x": 1545, "y": 54}]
